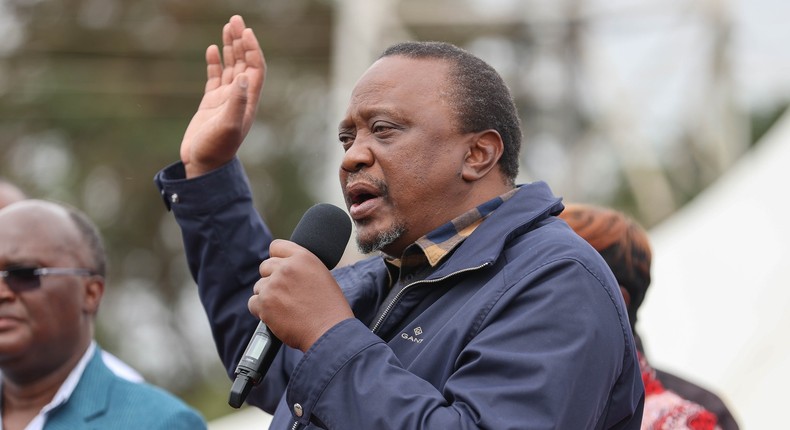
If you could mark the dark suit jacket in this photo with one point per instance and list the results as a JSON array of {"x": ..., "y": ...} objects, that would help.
[{"x": 104, "y": 401}]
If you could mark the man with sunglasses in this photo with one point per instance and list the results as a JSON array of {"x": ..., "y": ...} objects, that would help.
[
  {"x": 52, "y": 269},
  {"x": 11, "y": 193}
]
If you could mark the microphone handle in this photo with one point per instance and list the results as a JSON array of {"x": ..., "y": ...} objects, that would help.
[{"x": 257, "y": 358}]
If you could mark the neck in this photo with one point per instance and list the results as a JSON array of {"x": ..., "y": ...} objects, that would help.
[
  {"x": 22, "y": 402},
  {"x": 29, "y": 388}
]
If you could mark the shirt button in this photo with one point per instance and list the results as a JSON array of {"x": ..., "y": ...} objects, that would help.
[
  {"x": 298, "y": 411},
  {"x": 174, "y": 198}
]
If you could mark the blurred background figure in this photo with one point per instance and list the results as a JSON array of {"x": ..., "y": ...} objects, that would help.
[
  {"x": 671, "y": 402},
  {"x": 52, "y": 271},
  {"x": 9, "y": 193}
]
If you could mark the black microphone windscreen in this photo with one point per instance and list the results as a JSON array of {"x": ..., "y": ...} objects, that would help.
[{"x": 324, "y": 230}]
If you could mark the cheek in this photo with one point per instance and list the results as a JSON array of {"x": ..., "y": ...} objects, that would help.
[
  {"x": 56, "y": 313},
  {"x": 422, "y": 170}
]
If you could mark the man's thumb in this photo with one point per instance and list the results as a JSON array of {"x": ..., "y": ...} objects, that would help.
[
  {"x": 237, "y": 104},
  {"x": 243, "y": 83}
]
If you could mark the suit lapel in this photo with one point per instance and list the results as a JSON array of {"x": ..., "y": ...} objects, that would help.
[{"x": 90, "y": 399}]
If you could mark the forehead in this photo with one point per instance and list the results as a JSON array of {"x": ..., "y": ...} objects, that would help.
[
  {"x": 28, "y": 232},
  {"x": 407, "y": 82}
]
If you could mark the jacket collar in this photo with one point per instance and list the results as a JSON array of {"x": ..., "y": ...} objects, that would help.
[
  {"x": 91, "y": 397},
  {"x": 532, "y": 204}
]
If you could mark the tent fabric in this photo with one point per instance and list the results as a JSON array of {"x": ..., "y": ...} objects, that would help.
[{"x": 717, "y": 310}]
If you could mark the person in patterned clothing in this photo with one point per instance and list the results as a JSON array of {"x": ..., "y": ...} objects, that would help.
[{"x": 670, "y": 401}]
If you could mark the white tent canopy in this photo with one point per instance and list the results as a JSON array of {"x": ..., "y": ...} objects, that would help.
[{"x": 717, "y": 310}]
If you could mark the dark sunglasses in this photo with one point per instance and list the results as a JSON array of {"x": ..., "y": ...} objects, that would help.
[{"x": 27, "y": 278}]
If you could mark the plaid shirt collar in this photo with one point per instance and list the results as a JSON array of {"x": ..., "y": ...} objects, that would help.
[{"x": 430, "y": 250}]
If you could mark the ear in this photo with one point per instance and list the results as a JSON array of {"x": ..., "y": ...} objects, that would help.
[
  {"x": 94, "y": 290},
  {"x": 485, "y": 150}
]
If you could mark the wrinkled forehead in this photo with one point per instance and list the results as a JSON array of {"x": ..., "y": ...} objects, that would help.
[{"x": 399, "y": 81}]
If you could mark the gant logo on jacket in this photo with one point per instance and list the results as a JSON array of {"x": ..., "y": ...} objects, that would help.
[{"x": 415, "y": 339}]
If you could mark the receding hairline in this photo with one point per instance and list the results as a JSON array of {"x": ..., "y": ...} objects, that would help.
[
  {"x": 445, "y": 92},
  {"x": 49, "y": 213}
]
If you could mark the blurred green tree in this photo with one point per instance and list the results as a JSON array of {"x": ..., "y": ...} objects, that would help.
[{"x": 94, "y": 98}]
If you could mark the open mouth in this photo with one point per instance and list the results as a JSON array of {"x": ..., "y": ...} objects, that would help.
[{"x": 361, "y": 199}]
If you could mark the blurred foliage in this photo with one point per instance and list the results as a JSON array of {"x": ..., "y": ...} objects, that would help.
[
  {"x": 764, "y": 119},
  {"x": 94, "y": 98}
]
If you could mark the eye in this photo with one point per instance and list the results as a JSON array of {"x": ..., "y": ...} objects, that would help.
[
  {"x": 347, "y": 139},
  {"x": 21, "y": 278},
  {"x": 381, "y": 127}
]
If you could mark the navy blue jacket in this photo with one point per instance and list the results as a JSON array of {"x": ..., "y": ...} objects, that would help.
[{"x": 522, "y": 327}]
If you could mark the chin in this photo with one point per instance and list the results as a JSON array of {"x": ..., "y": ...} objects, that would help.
[
  {"x": 369, "y": 240},
  {"x": 11, "y": 349}
]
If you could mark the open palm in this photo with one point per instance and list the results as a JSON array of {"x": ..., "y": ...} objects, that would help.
[{"x": 229, "y": 103}]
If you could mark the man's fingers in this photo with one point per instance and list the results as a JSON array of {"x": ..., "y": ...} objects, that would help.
[
  {"x": 237, "y": 26},
  {"x": 253, "y": 55},
  {"x": 213, "y": 68},
  {"x": 255, "y": 61},
  {"x": 227, "y": 40},
  {"x": 239, "y": 63},
  {"x": 227, "y": 57},
  {"x": 252, "y": 305}
]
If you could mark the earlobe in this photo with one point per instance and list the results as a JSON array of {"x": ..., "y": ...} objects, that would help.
[
  {"x": 485, "y": 150},
  {"x": 94, "y": 290}
]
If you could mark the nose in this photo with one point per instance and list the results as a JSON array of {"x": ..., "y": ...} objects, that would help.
[
  {"x": 357, "y": 156},
  {"x": 6, "y": 294}
]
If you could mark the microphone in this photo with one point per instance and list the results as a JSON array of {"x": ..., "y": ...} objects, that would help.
[{"x": 323, "y": 230}]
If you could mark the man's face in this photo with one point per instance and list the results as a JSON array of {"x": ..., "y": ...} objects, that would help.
[
  {"x": 41, "y": 326},
  {"x": 401, "y": 172}
]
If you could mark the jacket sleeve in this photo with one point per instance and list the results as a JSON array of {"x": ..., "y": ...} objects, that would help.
[{"x": 225, "y": 241}]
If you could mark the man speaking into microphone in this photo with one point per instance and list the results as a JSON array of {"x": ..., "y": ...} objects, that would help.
[{"x": 479, "y": 308}]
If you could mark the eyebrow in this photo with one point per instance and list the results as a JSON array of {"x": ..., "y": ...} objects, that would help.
[
  {"x": 19, "y": 261},
  {"x": 345, "y": 125},
  {"x": 368, "y": 112}
]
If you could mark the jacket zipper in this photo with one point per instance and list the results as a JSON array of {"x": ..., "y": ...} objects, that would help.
[
  {"x": 400, "y": 294},
  {"x": 397, "y": 297}
]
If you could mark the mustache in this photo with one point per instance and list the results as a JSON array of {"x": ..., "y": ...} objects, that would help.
[{"x": 363, "y": 177}]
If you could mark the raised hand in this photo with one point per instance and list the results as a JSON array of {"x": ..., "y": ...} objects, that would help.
[{"x": 230, "y": 100}]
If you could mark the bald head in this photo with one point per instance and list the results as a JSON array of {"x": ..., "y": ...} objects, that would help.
[
  {"x": 10, "y": 193},
  {"x": 57, "y": 228}
]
